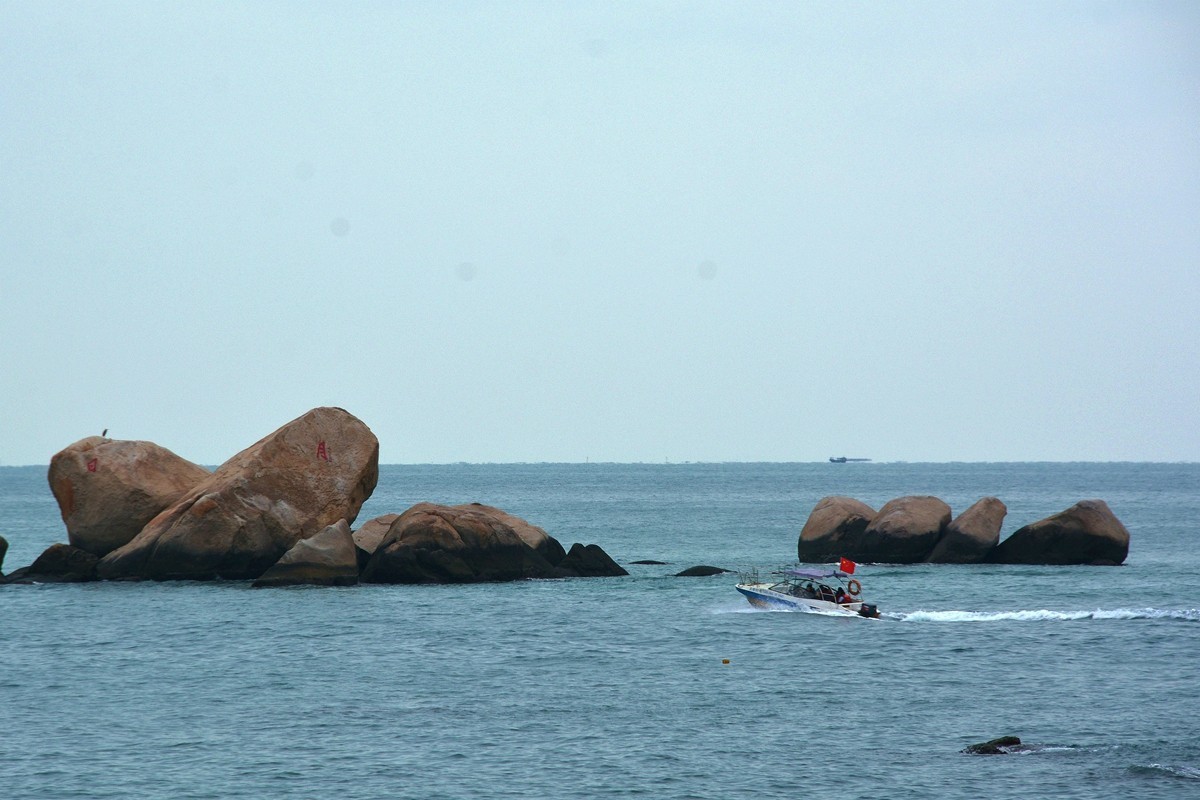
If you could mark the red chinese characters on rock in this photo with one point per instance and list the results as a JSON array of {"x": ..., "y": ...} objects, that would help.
[
  {"x": 91, "y": 465},
  {"x": 322, "y": 452}
]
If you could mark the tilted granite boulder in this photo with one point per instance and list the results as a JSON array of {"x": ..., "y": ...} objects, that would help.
[
  {"x": 834, "y": 529},
  {"x": 59, "y": 563},
  {"x": 904, "y": 531},
  {"x": 431, "y": 543},
  {"x": 972, "y": 534},
  {"x": 108, "y": 489},
  {"x": 1086, "y": 533},
  {"x": 327, "y": 559},
  {"x": 303, "y": 477}
]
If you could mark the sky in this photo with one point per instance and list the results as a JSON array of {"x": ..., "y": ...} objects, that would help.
[{"x": 604, "y": 231}]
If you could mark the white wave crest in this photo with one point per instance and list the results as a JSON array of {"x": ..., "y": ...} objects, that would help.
[{"x": 1043, "y": 615}]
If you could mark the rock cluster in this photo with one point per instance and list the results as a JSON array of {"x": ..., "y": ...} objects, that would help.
[
  {"x": 921, "y": 529},
  {"x": 278, "y": 513}
]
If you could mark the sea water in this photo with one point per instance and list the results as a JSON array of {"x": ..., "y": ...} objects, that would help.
[{"x": 642, "y": 686}]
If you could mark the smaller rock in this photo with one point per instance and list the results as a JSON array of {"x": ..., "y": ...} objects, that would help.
[
  {"x": 60, "y": 563},
  {"x": 372, "y": 532},
  {"x": 700, "y": 571},
  {"x": 590, "y": 561},
  {"x": 996, "y": 747},
  {"x": 649, "y": 561},
  {"x": 327, "y": 559},
  {"x": 972, "y": 534}
]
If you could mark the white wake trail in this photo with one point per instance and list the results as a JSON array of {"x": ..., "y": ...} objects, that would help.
[{"x": 1044, "y": 615}]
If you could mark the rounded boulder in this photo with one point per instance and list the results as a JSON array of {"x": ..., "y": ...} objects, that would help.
[
  {"x": 108, "y": 489},
  {"x": 905, "y": 530},
  {"x": 834, "y": 529},
  {"x": 1086, "y": 533},
  {"x": 972, "y": 534},
  {"x": 432, "y": 543}
]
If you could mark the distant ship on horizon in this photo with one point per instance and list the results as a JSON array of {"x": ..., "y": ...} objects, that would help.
[{"x": 843, "y": 459}]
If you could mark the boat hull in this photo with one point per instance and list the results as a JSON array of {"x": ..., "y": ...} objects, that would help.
[{"x": 761, "y": 595}]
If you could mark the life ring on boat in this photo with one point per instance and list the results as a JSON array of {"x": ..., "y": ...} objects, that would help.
[{"x": 853, "y": 586}]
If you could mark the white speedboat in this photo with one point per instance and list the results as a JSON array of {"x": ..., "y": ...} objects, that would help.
[{"x": 809, "y": 589}]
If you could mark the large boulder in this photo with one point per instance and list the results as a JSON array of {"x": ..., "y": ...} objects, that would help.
[
  {"x": 431, "y": 543},
  {"x": 972, "y": 534},
  {"x": 327, "y": 559},
  {"x": 834, "y": 529},
  {"x": 108, "y": 489},
  {"x": 59, "y": 563},
  {"x": 1086, "y": 533},
  {"x": 305, "y": 476},
  {"x": 546, "y": 545},
  {"x": 904, "y": 531}
]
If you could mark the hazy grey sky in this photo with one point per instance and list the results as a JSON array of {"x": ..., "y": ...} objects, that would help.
[{"x": 627, "y": 232}]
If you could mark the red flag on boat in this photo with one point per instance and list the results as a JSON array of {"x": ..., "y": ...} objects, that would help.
[{"x": 847, "y": 566}]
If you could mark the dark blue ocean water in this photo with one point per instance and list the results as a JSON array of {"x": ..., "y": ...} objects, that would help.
[{"x": 609, "y": 688}]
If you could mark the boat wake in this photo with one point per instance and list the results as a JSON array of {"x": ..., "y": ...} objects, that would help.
[{"x": 1043, "y": 615}]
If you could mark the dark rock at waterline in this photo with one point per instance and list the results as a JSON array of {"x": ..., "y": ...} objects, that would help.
[
  {"x": 996, "y": 747},
  {"x": 834, "y": 529},
  {"x": 296, "y": 481},
  {"x": 590, "y": 561},
  {"x": 3, "y": 550},
  {"x": 649, "y": 562},
  {"x": 700, "y": 571},
  {"x": 327, "y": 559},
  {"x": 60, "y": 563},
  {"x": 972, "y": 534},
  {"x": 1086, "y": 533},
  {"x": 109, "y": 489}
]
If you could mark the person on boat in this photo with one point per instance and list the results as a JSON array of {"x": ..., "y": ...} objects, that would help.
[{"x": 842, "y": 597}]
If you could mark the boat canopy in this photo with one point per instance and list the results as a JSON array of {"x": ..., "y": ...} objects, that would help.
[{"x": 816, "y": 574}]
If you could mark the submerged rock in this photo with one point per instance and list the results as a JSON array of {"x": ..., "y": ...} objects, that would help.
[
  {"x": 834, "y": 529},
  {"x": 700, "y": 571},
  {"x": 327, "y": 559},
  {"x": 59, "y": 563},
  {"x": 108, "y": 489},
  {"x": 1086, "y": 533},
  {"x": 972, "y": 534},
  {"x": 1001, "y": 746},
  {"x": 303, "y": 477}
]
